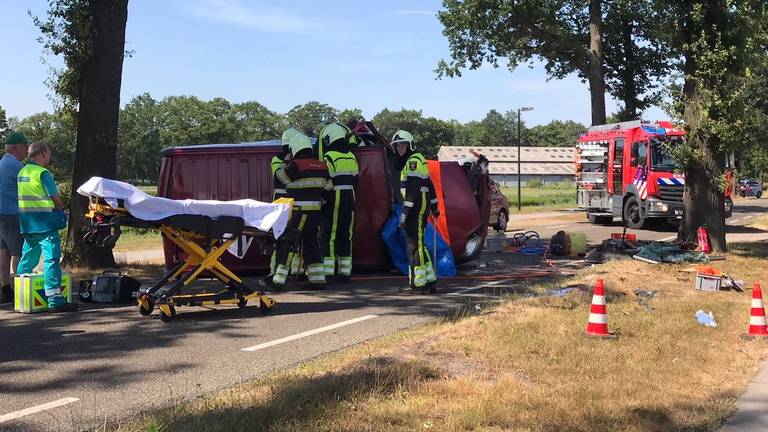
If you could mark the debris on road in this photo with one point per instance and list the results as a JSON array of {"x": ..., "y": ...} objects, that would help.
[{"x": 706, "y": 319}]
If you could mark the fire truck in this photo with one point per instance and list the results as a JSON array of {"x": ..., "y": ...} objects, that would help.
[{"x": 624, "y": 170}]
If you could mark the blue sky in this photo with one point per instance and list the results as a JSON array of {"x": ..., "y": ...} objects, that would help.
[{"x": 365, "y": 54}]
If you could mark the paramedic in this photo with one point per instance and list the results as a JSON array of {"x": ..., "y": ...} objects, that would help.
[{"x": 10, "y": 234}]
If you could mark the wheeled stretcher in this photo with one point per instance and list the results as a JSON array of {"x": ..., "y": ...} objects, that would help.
[{"x": 204, "y": 239}]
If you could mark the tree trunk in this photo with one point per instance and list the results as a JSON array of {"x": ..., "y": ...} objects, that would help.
[
  {"x": 596, "y": 77},
  {"x": 628, "y": 77},
  {"x": 703, "y": 200},
  {"x": 99, "y": 108}
]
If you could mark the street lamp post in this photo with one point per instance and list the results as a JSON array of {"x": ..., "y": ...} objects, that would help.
[{"x": 519, "y": 174}]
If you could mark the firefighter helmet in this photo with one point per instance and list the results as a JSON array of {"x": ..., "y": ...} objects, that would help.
[
  {"x": 300, "y": 142},
  {"x": 402, "y": 136},
  {"x": 288, "y": 134},
  {"x": 334, "y": 132}
]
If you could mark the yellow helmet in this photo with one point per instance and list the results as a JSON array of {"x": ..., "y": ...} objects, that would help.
[
  {"x": 333, "y": 132},
  {"x": 402, "y": 136},
  {"x": 288, "y": 134},
  {"x": 300, "y": 142}
]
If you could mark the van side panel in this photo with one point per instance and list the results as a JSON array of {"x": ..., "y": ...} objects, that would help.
[
  {"x": 245, "y": 173},
  {"x": 372, "y": 209}
]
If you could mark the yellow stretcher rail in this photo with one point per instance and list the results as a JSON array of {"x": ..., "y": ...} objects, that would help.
[{"x": 186, "y": 232}]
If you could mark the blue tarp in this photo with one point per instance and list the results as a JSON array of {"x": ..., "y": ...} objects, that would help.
[{"x": 394, "y": 237}]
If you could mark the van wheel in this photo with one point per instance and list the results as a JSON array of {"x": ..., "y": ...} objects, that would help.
[
  {"x": 501, "y": 222},
  {"x": 632, "y": 215},
  {"x": 599, "y": 220}
]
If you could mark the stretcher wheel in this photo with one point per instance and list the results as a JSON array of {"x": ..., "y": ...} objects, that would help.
[
  {"x": 241, "y": 302},
  {"x": 265, "y": 308},
  {"x": 148, "y": 310},
  {"x": 167, "y": 318}
]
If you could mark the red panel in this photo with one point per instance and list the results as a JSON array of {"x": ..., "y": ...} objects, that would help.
[{"x": 235, "y": 172}]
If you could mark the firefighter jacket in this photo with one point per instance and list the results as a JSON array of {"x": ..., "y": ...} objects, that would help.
[
  {"x": 278, "y": 191},
  {"x": 306, "y": 181},
  {"x": 343, "y": 170},
  {"x": 419, "y": 193}
]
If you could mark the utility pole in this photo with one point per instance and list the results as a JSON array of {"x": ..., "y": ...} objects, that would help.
[{"x": 519, "y": 173}]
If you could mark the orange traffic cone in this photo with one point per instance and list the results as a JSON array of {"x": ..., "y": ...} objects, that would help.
[
  {"x": 598, "y": 316},
  {"x": 757, "y": 322}
]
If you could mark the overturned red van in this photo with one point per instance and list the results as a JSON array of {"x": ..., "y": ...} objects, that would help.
[{"x": 236, "y": 171}]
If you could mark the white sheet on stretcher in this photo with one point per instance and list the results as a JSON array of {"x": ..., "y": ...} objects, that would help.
[{"x": 256, "y": 214}]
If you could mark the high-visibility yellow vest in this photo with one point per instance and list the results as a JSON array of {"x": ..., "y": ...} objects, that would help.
[
  {"x": 32, "y": 195},
  {"x": 343, "y": 169}
]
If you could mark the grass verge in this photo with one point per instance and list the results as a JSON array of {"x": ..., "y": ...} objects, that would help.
[
  {"x": 548, "y": 197},
  {"x": 524, "y": 365}
]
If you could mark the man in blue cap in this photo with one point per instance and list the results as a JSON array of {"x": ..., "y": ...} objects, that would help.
[{"x": 11, "y": 239}]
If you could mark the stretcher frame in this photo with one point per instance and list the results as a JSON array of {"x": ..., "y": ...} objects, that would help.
[{"x": 105, "y": 227}]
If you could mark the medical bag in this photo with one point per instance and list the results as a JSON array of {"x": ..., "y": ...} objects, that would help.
[{"x": 110, "y": 287}]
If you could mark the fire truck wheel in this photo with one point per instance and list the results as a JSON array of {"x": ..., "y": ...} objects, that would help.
[{"x": 632, "y": 216}]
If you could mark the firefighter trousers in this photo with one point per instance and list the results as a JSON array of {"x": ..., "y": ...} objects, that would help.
[
  {"x": 336, "y": 232},
  {"x": 303, "y": 225},
  {"x": 420, "y": 269}
]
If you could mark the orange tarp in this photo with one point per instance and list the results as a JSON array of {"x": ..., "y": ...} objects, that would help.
[{"x": 442, "y": 222}]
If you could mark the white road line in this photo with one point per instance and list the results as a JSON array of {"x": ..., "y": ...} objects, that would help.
[
  {"x": 747, "y": 217},
  {"x": 308, "y": 333},
  {"x": 36, "y": 409},
  {"x": 669, "y": 238},
  {"x": 462, "y": 292},
  {"x": 556, "y": 227}
]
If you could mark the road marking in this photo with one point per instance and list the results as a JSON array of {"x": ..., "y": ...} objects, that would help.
[
  {"x": 36, "y": 409},
  {"x": 556, "y": 227},
  {"x": 462, "y": 292},
  {"x": 747, "y": 217},
  {"x": 669, "y": 238},
  {"x": 308, "y": 333}
]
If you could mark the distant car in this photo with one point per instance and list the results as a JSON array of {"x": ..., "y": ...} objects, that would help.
[
  {"x": 499, "y": 207},
  {"x": 749, "y": 188}
]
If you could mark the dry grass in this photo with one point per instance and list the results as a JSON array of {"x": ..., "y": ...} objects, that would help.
[
  {"x": 760, "y": 223},
  {"x": 523, "y": 366}
]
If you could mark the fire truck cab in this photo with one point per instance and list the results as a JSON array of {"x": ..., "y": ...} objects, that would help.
[{"x": 624, "y": 170}]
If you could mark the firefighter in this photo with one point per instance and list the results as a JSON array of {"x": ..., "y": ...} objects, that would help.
[
  {"x": 339, "y": 207},
  {"x": 419, "y": 201},
  {"x": 278, "y": 190},
  {"x": 397, "y": 155},
  {"x": 306, "y": 180}
]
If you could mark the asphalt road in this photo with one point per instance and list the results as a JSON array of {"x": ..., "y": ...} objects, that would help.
[
  {"x": 744, "y": 212},
  {"x": 73, "y": 371}
]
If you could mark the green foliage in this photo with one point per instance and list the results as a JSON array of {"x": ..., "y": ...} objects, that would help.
[
  {"x": 429, "y": 133},
  {"x": 139, "y": 141},
  {"x": 256, "y": 123},
  {"x": 58, "y": 131},
  {"x": 3, "y": 124},
  {"x": 555, "y": 134},
  {"x": 67, "y": 31},
  {"x": 311, "y": 116},
  {"x": 534, "y": 184},
  {"x": 350, "y": 114},
  {"x": 557, "y": 33}
]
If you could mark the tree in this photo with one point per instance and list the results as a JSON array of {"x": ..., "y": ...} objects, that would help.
[
  {"x": 256, "y": 123},
  {"x": 3, "y": 124},
  {"x": 565, "y": 34},
  {"x": 186, "y": 120},
  {"x": 633, "y": 56},
  {"x": 719, "y": 44},
  {"x": 429, "y": 133},
  {"x": 556, "y": 133},
  {"x": 499, "y": 129},
  {"x": 626, "y": 61},
  {"x": 139, "y": 143},
  {"x": 58, "y": 131},
  {"x": 471, "y": 133},
  {"x": 350, "y": 114},
  {"x": 311, "y": 116},
  {"x": 90, "y": 35}
]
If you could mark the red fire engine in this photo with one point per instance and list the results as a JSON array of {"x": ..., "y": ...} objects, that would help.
[{"x": 623, "y": 170}]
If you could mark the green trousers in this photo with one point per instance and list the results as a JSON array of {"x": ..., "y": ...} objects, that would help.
[{"x": 49, "y": 244}]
